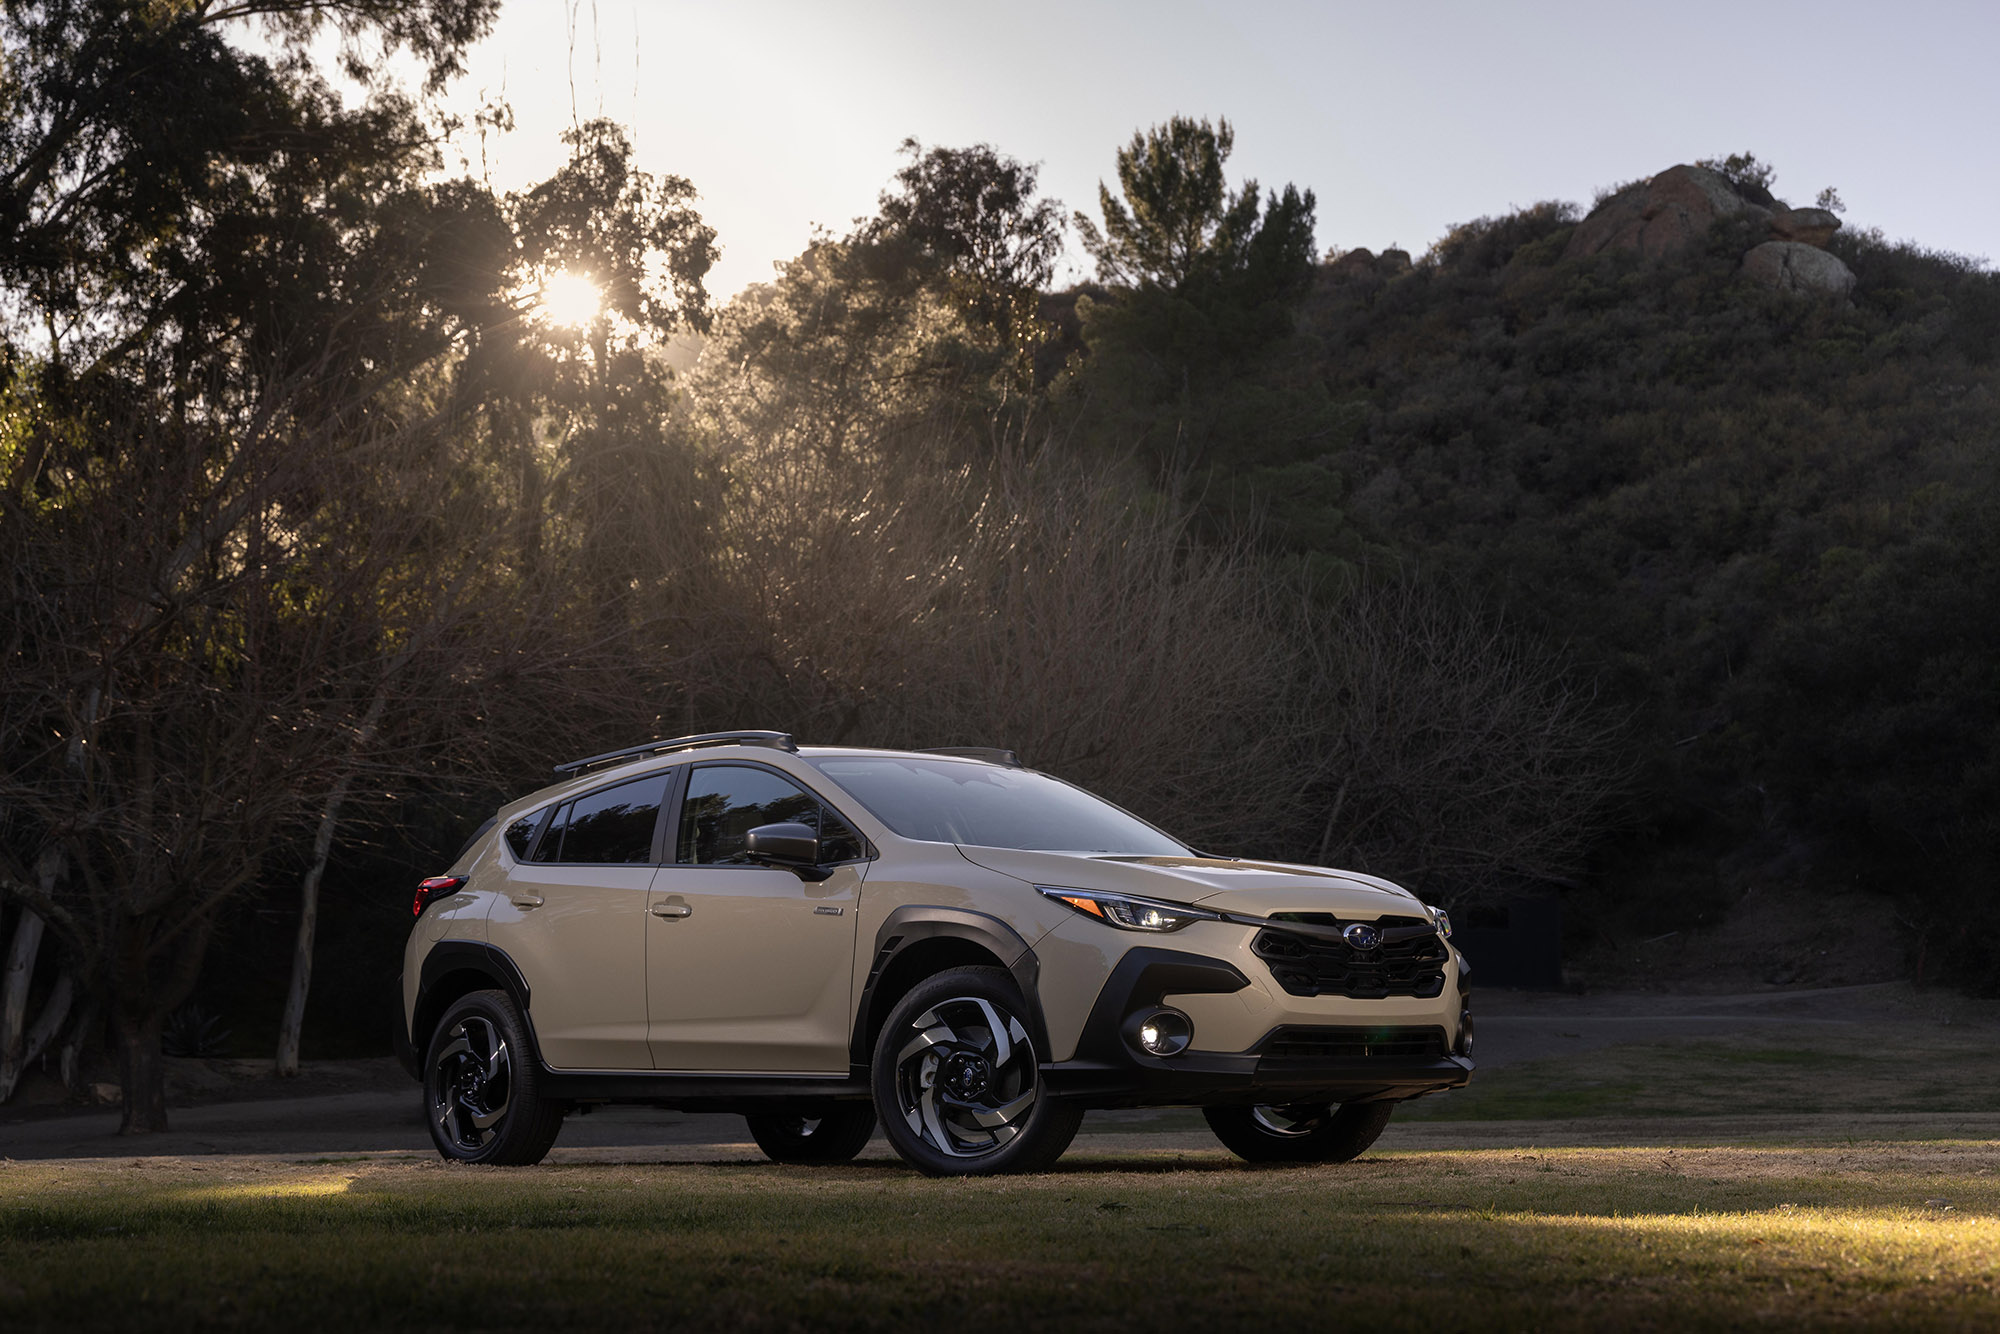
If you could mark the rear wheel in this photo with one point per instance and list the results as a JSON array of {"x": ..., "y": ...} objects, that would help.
[
  {"x": 481, "y": 1094},
  {"x": 831, "y": 1134},
  {"x": 1300, "y": 1133},
  {"x": 958, "y": 1081}
]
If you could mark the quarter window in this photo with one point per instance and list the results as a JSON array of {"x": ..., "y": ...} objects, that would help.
[
  {"x": 521, "y": 833},
  {"x": 725, "y": 802}
]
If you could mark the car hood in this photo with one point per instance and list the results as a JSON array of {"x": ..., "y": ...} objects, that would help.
[{"x": 1254, "y": 888}]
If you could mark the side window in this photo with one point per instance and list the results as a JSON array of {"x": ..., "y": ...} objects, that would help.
[
  {"x": 724, "y": 803},
  {"x": 614, "y": 825},
  {"x": 522, "y": 832},
  {"x": 552, "y": 837}
]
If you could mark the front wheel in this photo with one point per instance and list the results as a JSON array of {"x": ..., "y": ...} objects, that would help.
[
  {"x": 832, "y": 1134},
  {"x": 958, "y": 1082},
  {"x": 1302, "y": 1133},
  {"x": 481, "y": 1094}
]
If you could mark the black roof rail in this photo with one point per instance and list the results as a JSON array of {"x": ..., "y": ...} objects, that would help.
[
  {"x": 776, "y": 740},
  {"x": 991, "y": 754}
]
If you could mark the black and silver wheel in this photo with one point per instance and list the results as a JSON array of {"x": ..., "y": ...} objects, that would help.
[
  {"x": 832, "y": 1133},
  {"x": 480, "y": 1095},
  {"x": 1301, "y": 1132},
  {"x": 958, "y": 1082}
]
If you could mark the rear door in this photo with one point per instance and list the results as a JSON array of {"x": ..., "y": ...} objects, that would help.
[
  {"x": 573, "y": 919},
  {"x": 750, "y": 967}
]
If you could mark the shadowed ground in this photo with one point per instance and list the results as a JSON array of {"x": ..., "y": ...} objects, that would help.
[{"x": 1782, "y": 1160}]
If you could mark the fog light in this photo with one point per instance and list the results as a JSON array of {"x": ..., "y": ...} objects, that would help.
[{"x": 1164, "y": 1032}]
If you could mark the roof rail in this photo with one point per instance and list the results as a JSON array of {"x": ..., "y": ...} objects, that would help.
[
  {"x": 991, "y": 754},
  {"x": 776, "y": 740}
]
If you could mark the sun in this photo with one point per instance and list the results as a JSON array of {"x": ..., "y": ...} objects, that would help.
[{"x": 570, "y": 299}]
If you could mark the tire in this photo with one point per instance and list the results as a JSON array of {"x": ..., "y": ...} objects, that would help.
[
  {"x": 481, "y": 1098},
  {"x": 1305, "y": 1133},
  {"x": 958, "y": 1081},
  {"x": 820, "y": 1135}
]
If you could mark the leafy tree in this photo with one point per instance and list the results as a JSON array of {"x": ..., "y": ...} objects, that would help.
[
  {"x": 110, "y": 209},
  {"x": 1192, "y": 355},
  {"x": 882, "y": 341},
  {"x": 218, "y": 350},
  {"x": 1178, "y": 227},
  {"x": 971, "y": 216}
]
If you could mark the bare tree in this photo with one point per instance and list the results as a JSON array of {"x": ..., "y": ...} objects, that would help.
[
  {"x": 1437, "y": 746},
  {"x": 1021, "y": 600},
  {"x": 200, "y": 610}
]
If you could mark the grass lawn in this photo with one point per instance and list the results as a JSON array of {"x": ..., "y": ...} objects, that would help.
[
  {"x": 1784, "y": 1069},
  {"x": 1904, "y": 1235}
]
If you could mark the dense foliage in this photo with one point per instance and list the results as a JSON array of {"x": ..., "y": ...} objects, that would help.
[{"x": 1765, "y": 522}]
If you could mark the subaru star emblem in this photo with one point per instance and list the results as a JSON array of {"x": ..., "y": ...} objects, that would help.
[{"x": 1362, "y": 936}]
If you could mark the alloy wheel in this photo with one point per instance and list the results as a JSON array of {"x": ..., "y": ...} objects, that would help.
[
  {"x": 1289, "y": 1122},
  {"x": 471, "y": 1084},
  {"x": 966, "y": 1077}
]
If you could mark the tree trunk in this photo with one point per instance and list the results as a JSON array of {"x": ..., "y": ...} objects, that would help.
[
  {"x": 294, "y": 1017},
  {"x": 141, "y": 1002},
  {"x": 20, "y": 971},
  {"x": 293, "y": 1021},
  {"x": 141, "y": 1073},
  {"x": 69, "y": 1063},
  {"x": 54, "y": 1011}
]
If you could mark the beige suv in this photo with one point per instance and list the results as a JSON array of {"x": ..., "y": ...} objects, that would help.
[{"x": 974, "y": 951}]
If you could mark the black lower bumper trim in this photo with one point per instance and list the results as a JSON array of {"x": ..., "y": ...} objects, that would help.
[{"x": 1213, "y": 1079}]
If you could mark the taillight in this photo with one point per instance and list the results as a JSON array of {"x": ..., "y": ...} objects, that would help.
[{"x": 434, "y": 888}]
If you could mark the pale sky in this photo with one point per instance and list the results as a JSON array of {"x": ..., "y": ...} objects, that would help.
[{"x": 1404, "y": 118}]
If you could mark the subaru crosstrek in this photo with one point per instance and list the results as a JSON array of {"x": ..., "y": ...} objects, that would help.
[{"x": 970, "y": 950}]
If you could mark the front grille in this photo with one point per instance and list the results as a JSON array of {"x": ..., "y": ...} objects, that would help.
[
  {"x": 1353, "y": 1044},
  {"x": 1409, "y": 961}
]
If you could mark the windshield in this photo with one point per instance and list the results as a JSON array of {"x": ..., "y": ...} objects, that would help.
[{"x": 959, "y": 801}]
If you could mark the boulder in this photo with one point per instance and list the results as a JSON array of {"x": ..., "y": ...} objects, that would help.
[
  {"x": 1793, "y": 266},
  {"x": 1354, "y": 262},
  {"x": 1812, "y": 226},
  {"x": 1365, "y": 263},
  {"x": 1661, "y": 215}
]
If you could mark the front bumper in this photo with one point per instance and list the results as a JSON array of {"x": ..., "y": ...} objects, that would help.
[
  {"x": 1291, "y": 1063},
  {"x": 1207, "y": 1079}
]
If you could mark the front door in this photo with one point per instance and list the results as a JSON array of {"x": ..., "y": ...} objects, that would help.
[
  {"x": 573, "y": 920},
  {"x": 749, "y": 968}
]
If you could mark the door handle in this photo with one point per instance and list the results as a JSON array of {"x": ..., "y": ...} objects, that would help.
[
  {"x": 672, "y": 909},
  {"x": 527, "y": 900}
]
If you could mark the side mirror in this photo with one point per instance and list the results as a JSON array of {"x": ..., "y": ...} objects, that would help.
[{"x": 790, "y": 845}]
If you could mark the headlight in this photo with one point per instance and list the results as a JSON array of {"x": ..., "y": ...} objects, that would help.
[
  {"x": 1127, "y": 912},
  {"x": 1442, "y": 918}
]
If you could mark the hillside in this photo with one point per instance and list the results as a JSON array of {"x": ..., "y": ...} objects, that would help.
[{"x": 1759, "y": 505}]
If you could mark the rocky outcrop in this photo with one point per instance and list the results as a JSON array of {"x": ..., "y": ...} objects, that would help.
[
  {"x": 1794, "y": 266},
  {"x": 1810, "y": 226},
  {"x": 1664, "y": 214},
  {"x": 1354, "y": 263},
  {"x": 1660, "y": 215},
  {"x": 1366, "y": 263}
]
